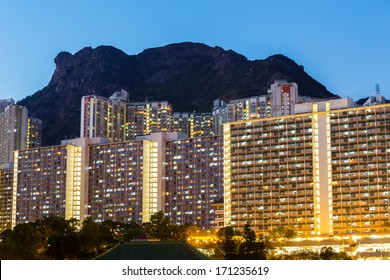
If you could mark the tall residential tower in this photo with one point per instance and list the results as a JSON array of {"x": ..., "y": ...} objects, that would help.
[{"x": 13, "y": 129}]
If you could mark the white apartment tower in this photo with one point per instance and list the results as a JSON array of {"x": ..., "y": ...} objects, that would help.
[
  {"x": 13, "y": 129},
  {"x": 283, "y": 96},
  {"x": 102, "y": 117},
  {"x": 280, "y": 101}
]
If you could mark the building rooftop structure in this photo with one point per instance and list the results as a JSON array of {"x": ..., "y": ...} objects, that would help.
[{"x": 156, "y": 250}]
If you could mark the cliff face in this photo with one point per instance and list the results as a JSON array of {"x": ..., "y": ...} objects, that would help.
[{"x": 189, "y": 75}]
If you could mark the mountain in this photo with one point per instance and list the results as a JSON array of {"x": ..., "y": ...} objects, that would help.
[
  {"x": 361, "y": 101},
  {"x": 189, "y": 75}
]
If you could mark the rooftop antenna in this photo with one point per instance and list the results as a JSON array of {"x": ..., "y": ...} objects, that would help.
[
  {"x": 377, "y": 89},
  {"x": 378, "y": 97}
]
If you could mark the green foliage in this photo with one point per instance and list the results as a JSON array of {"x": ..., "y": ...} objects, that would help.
[
  {"x": 251, "y": 249},
  {"x": 54, "y": 238},
  {"x": 14, "y": 251},
  {"x": 57, "y": 238},
  {"x": 90, "y": 238},
  {"x": 131, "y": 231},
  {"x": 280, "y": 232},
  {"x": 228, "y": 246},
  {"x": 327, "y": 253},
  {"x": 51, "y": 238},
  {"x": 249, "y": 235},
  {"x": 160, "y": 228},
  {"x": 19, "y": 243},
  {"x": 192, "y": 230}
]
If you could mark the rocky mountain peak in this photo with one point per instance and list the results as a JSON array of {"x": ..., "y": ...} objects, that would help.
[{"x": 189, "y": 75}]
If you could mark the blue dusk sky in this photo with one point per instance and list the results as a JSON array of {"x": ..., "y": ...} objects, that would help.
[{"x": 345, "y": 45}]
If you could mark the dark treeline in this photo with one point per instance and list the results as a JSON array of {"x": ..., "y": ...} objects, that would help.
[{"x": 56, "y": 238}]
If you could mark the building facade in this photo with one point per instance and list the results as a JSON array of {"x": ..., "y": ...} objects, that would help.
[
  {"x": 6, "y": 195},
  {"x": 321, "y": 169},
  {"x": 219, "y": 115},
  {"x": 13, "y": 130},
  {"x": 34, "y": 133},
  {"x": 268, "y": 176},
  {"x": 122, "y": 181},
  {"x": 280, "y": 100},
  {"x": 47, "y": 181},
  {"x": 115, "y": 181},
  {"x": 319, "y": 173},
  {"x": 360, "y": 154},
  {"x": 148, "y": 117},
  {"x": 193, "y": 124},
  {"x": 118, "y": 120},
  {"x": 104, "y": 117},
  {"x": 194, "y": 173}
]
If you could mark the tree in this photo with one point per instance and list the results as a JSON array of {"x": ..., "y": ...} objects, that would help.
[
  {"x": 112, "y": 232},
  {"x": 20, "y": 243},
  {"x": 61, "y": 237},
  {"x": 131, "y": 231},
  {"x": 281, "y": 232},
  {"x": 178, "y": 232},
  {"x": 159, "y": 227},
  {"x": 327, "y": 253},
  {"x": 90, "y": 239},
  {"x": 228, "y": 245},
  {"x": 192, "y": 231},
  {"x": 251, "y": 249}
]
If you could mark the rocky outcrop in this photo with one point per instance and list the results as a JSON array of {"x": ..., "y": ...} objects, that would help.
[{"x": 189, "y": 75}]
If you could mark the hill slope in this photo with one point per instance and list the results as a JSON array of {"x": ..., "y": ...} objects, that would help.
[{"x": 189, "y": 75}]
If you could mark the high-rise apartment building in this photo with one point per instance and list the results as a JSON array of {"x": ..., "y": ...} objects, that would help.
[
  {"x": 52, "y": 181},
  {"x": 34, "y": 133},
  {"x": 279, "y": 101},
  {"x": 13, "y": 129},
  {"x": 181, "y": 122},
  {"x": 282, "y": 97},
  {"x": 6, "y": 195},
  {"x": 320, "y": 168},
  {"x": 136, "y": 119},
  {"x": 158, "y": 116},
  {"x": 47, "y": 182},
  {"x": 148, "y": 117},
  {"x": 193, "y": 124},
  {"x": 268, "y": 176},
  {"x": 123, "y": 181},
  {"x": 104, "y": 117},
  {"x": 248, "y": 108},
  {"x": 320, "y": 173},
  {"x": 5, "y": 103},
  {"x": 202, "y": 124},
  {"x": 129, "y": 181},
  {"x": 119, "y": 120},
  {"x": 115, "y": 181},
  {"x": 359, "y": 141},
  {"x": 193, "y": 174},
  {"x": 219, "y": 115}
]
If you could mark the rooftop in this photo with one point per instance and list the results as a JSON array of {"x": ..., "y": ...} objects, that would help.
[{"x": 144, "y": 250}]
